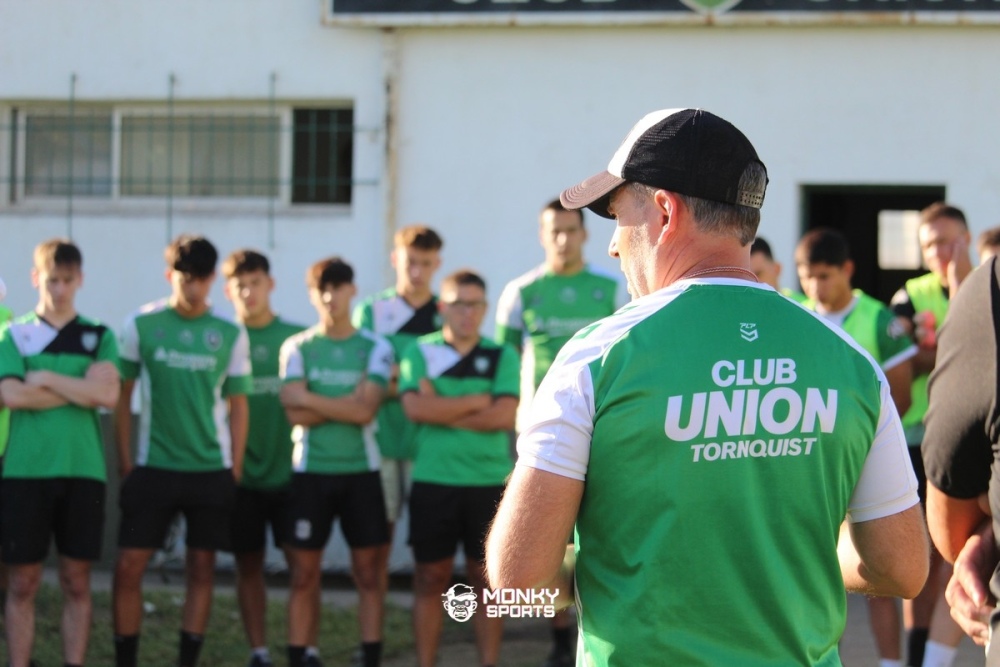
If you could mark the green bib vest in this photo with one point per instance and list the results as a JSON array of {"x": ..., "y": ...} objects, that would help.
[{"x": 926, "y": 294}]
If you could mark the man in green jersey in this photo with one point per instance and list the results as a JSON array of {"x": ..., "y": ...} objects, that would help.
[
  {"x": 194, "y": 368},
  {"x": 541, "y": 310},
  {"x": 56, "y": 369},
  {"x": 462, "y": 390},
  {"x": 262, "y": 494},
  {"x": 825, "y": 268},
  {"x": 709, "y": 438},
  {"x": 334, "y": 378},
  {"x": 768, "y": 270},
  {"x": 922, "y": 304},
  {"x": 401, "y": 314}
]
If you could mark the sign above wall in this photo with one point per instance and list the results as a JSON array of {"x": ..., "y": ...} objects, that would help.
[{"x": 633, "y": 12}]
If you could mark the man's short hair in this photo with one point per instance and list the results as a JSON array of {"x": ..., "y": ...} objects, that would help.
[
  {"x": 420, "y": 237},
  {"x": 244, "y": 261},
  {"x": 988, "y": 239},
  {"x": 941, "y": 209},
  {"x": 823, "y": 246},
  {"x": 461, "y": 278},
  {"x": 329, "y": 272},
  {"x": 58, "y": 252},
  {"x": 193, "y": 255},
  {"x": 556, "y": 205},
  {"x": 762, "y": 247}
]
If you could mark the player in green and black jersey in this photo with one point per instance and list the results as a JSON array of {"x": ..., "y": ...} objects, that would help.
[
  {"x": 334, "y": 379},
  {"x": 462, "y": 390},
  {"x": 262, "y": 494},
  {"x": 56, "y": 369},
  {"x": 194, "y": 370}
]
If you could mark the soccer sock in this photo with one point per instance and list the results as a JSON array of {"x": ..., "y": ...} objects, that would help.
[
  {"x": 126, "y": 650},
  {"x": 939, "y": 655},
  {"x": 190, "y": 648},
  {"x": 561, "y": 639},
  {"x": 915, "y": 647},
  {"x": 886, "y": 662},
  {"x": 296, "y": 656},
  {"x": 372, "y": 653}
]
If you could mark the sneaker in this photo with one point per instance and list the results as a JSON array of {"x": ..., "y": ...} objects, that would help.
[
  {"x": 559, "y": 658},
  {"x": 259, "y": 661},
  {"x": 313, "y": 661}
]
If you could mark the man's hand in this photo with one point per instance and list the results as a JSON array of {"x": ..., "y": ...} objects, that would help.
[
  {"x": 103, "y": 371},
  {"x": 427, "y": 387},
  {"x": 967, "y": 593},
  {"x": 294, "y": 395},
  {"x": 37, "y": 378}
]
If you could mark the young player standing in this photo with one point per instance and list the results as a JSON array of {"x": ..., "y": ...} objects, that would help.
[
  {"x": 334, "y": 378},
  {"x": 194, "y": 369},
  {"x": 262, "y": 494},
  {"x": 56, "y": 369}
]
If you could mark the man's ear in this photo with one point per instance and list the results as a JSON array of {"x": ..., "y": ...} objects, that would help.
[{"x": 667, "y": 208}]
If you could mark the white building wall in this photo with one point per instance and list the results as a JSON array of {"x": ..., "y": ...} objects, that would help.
[{"x": 489, "y": 123}]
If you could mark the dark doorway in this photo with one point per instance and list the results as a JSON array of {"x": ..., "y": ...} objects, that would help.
[{"x": 854, "y": 211}]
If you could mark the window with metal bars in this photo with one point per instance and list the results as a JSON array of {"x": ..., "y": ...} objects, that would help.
[{"x": 126, "y": 153}]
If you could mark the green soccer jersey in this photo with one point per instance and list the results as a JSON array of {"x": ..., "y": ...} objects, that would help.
[
  {"x": 389, "y": 315},
  {"x": 455, "y": 456},
  {"x": 185, "y": 368},
  {"x": 334, "y": 368},
  {"x": 540, "y": 310},
  {"x": 5, "y": 316},
  {"x": 63, "y": 441},
  {"x": 874, "y": 327},
  {"x": 267, "y": 463},
  {"x": 722, "y": 433}
]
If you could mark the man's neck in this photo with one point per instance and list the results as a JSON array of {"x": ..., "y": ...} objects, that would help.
[
  {"x": 566, "y": 269},
  {"x": 57, "y": 318},
  {"x": 338, "y": 329},
  {"x": 462, "y": 345},
  {"x": 414, "y": 296},
  {"x": 258, "y": 321},
  {"x": 186, "y": 311}
]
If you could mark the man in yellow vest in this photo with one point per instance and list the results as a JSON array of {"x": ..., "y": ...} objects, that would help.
[
  {"x": 825, "y": 268},
  {"x": 923, "y": 303}
]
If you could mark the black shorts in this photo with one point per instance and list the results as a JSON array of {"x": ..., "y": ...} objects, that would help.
[
  {"x": 255, "y": 510},
  {"x": 918, "y": 469},
  {"x": 442, "y": 516},
  {"x": 33, "y": 510},
  {"x": 315, "y": 500},
  {"x": 151, "y": 498}
]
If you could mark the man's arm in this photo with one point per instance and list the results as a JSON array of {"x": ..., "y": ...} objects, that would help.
[
  {"x": 527, "y": 543},
  {"x": 889, "y": 556},
  {"x": 426, "y": 407},
  {"x": 99, "y": 387},
  {"x": 357, "y": 408},
  {"x": 19, "y": 395},
  {"x": 499, "y": 416},
  {"x": 123, "y": 428},
  {"x": 303, "y": 417},
  {"x": 900, "y": 379},
  {"x": 239, "y": 426},
  {"x": 952, "y": 521}
]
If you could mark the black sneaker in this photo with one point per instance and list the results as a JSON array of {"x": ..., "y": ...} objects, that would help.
[
  {"x": 259, "y": 661},
  {"x": 313, "y": 661}
]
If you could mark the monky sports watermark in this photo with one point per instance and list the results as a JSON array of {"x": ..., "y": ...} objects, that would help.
[{"x": 462, "y": 601}]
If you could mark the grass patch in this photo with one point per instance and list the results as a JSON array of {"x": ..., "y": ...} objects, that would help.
[{"x": 225, "y": 642}]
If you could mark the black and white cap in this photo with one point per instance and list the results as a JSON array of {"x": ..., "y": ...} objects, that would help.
[{"x": 688, "y": 151}]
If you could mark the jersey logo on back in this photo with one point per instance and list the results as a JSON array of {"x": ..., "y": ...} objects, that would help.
[{"x": 748, "y": 331}]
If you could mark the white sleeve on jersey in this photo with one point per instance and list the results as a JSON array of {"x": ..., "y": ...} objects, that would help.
[
  {"x": 509, "y": 307},
  {"x": 128, "y": 346},
  {"x": 887, "y": 484},
  {"x": 239, "y": 357},
  {"x": 562, "y": 423},
  {"x": 290, "y": 360}
]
